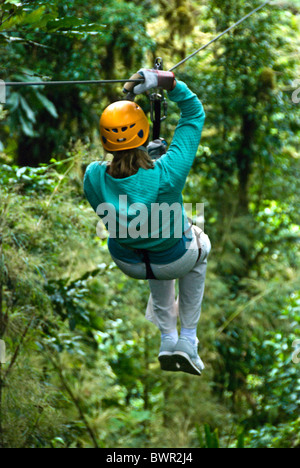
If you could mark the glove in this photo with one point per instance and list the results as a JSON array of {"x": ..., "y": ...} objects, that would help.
[
  {"x": 157, "y": 148},
  {"x": 153, "y": 79}
]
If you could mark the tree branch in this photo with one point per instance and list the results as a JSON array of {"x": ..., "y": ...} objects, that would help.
[
  {"x": 18, "y": 348},
  {"x": 76, "y": 402}
]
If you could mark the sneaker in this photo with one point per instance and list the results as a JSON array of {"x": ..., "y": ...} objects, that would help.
[
  {"x": 186, "y": 357},
  {"x": 165, "y": 356}
]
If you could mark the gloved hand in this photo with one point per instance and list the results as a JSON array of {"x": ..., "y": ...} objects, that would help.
[
  {"x": 157, "y": 148},
  {"x": 153, "y": 79}
]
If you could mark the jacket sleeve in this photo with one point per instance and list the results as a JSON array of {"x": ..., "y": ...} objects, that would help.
[{"x": 177, "y": 163}]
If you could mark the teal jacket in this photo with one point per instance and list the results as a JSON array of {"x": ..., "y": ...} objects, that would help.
[{"x": 163, "y": 184}]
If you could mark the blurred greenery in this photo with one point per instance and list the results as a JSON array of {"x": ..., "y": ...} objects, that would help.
[{"x": 82, "y": 367}]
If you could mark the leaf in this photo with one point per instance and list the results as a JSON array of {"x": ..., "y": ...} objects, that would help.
[
  {"x": 200, "y": 438},
  {"x": 58, "y": 440},
  {"x": 72, "y": 323},
  {"x": 64, "y": 23},
  {"x": 207, "y": 435},
  {"x": 27, "y": 128},
  {"x": 34, "y": 17},
  {"x": 14, "y": 101},
  {"x": 48, "y": 105},
  {"x": 215, "y": 439},
  {"x": 46, "y": 18},
  {"x": 241, "y": 441},
  {"x": 20, "y": 18},
  {"x": 13, "y": 2},
  {"x": 28, "y": 75},
  {"x": 29, "y": 112},
  {"x": 21, "y": 171},
  {"x": 212, "y": 438}
]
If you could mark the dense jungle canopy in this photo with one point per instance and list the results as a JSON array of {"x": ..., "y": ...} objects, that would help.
[{"x": 81, "y": 360}]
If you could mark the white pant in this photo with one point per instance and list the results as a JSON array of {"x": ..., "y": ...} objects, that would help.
[{"x": 163, "y": 308}]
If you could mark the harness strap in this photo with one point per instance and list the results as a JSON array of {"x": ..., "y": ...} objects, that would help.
[
  {"x": 146, "y": 260},
  {"x": 199, "y": 246},
  {"x": 197, "y": 234}
]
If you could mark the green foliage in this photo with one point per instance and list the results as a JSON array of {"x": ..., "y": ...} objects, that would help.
[
  {"x": 276, "y": 384},
  {"x": 82, "y": 367},
  {"x": 211, "y": 439},
  {"x": 279, "y": 436}
]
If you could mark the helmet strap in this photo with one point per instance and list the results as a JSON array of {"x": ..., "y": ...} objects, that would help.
[{"x": 143, "y": 148}]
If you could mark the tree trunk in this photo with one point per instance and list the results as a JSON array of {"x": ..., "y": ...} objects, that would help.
[{"x": 244, "y": 162}]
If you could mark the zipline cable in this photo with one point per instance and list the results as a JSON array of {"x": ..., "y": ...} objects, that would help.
[
  {"x": 58, "y": 83},
  {"x": 220, "y": 35}
]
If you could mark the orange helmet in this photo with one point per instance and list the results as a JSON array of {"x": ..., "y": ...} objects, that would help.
[{"x": 123, "y": 126}]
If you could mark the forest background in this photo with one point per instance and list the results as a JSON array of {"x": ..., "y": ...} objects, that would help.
[{"x": 81, "y": 360}]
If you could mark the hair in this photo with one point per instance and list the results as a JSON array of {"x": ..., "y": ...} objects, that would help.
[{"x": 127, "y": 163}]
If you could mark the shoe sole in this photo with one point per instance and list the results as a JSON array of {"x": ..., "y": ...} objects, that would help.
[
  {"x": 185, "y": 364},
  {"x": 167, "y": 362}
]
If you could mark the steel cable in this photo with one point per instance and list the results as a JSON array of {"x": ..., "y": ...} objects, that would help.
[
  {"x": 220, "y": 35},
  {"x": 57, "y": 83}
]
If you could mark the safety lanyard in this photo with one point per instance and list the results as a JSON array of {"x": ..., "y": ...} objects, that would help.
[{"x": 158, "y": 103}]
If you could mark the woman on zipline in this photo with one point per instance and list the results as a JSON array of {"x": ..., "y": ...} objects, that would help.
[{"x": 165, "y": 248}]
